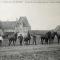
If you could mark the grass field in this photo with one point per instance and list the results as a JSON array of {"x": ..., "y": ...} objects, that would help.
[{"x": 31, "y": 52}]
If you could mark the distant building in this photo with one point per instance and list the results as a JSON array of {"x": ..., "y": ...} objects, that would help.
[{"x": 21, "y": 26}]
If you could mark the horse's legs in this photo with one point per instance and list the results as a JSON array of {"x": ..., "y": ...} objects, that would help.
[
  {"x": 10, "y": 42},
  {"x": 0, "y": 42},
  {"x": 52, "y": 40},
  {"x": 20, "y": 42},
  {"x": 13, "y": 42},
  {"x": 35, "y": 42},
  {"x": 26, "y": 42},
  {"x": 46, "y": 41},
  {"x": 42, "y": 41},
  {"x": 58, "y": 40},
  {"x": 29, "y": 42}
]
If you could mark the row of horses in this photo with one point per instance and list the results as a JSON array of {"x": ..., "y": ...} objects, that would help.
[
  {"x": 14, "y": 38},
  {"x": 48, "y": 37}
]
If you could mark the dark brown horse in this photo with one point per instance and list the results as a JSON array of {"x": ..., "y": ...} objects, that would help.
[
  {"x": 27, "y": 39},
  {"x": 12, "y": 38},
  {"x": 46, "y": 37},
  {"x": 50, "y": 37},
  {"x": 58, "y": 36}
]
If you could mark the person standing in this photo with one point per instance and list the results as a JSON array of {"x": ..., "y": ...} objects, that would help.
[
  {"x": 29, "y": 37},
  {"x": 20, "y": 39},
  {"x": 34, "y": 39}
]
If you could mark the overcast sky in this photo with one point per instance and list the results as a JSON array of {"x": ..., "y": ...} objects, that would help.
[{"x": 41, "y": 16}]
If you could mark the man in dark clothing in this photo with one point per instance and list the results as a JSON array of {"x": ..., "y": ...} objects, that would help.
[
  {"x": 29, "y": 37},
  {"x": 20, "y": 39},
  {"x": 34, "y": 39}
]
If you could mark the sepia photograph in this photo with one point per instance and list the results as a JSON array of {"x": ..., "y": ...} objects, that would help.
[{"x": 29, "y": 29}]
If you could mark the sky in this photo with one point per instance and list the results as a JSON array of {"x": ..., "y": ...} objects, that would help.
[{"x": 41, "y": 16}]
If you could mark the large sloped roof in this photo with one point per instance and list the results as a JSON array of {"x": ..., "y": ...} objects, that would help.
[
  {"x": 25, "y": 21},
  {"x": 8, "y": 24},
  {"x": 12, "y": 24}
]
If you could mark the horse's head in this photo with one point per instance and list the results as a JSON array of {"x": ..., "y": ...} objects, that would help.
[
  {"x": 54, "y": 34},
  {"x": 48, "y": 34}
]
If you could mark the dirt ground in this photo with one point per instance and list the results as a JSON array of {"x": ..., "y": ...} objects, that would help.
[{"x": 30, "y": 52}]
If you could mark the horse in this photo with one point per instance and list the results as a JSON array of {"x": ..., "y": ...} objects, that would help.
[
  {"x": 13, "y": 39},
  {"x": 46, "y": 37},
  {"x": 53, "y": 36},
  {"x": 58, "y": 37},
  {"x": 27, "y": 39},
  {"x": 42, "y": 39}
]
